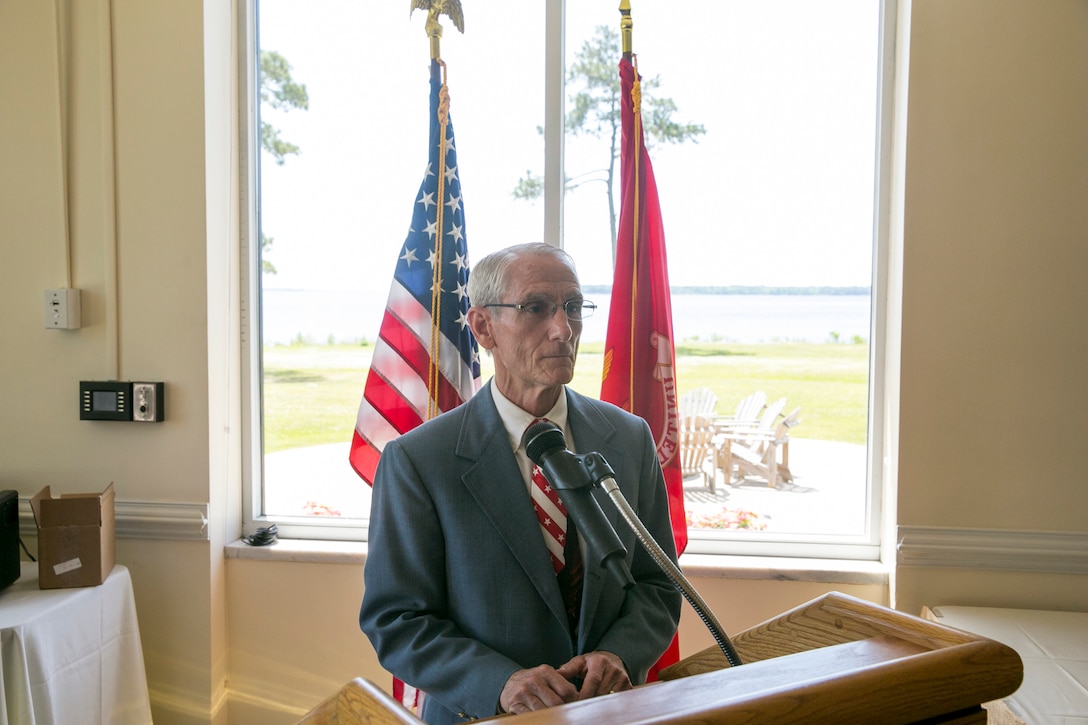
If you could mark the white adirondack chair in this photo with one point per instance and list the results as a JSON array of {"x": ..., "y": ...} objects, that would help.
[{"x": 762, "y": 454}]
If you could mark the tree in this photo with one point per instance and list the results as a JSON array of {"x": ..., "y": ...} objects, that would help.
[
  {"x": 280, "y": 92},
  {"x": 595, "y": 111}
]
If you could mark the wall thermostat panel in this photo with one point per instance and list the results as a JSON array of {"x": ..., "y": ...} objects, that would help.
[
  {"x": 117, "y": 400},
  {"x": 109, "y": 400}
]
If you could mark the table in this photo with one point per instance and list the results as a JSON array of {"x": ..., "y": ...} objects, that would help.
[
  {"x": 71, "y": 655},
  {"x": 1054, "y": 648}
]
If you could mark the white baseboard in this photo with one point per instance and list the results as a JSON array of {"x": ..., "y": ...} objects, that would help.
[
  {"x": 997, "y": 549},
  {"x": 143, "y": 520}
]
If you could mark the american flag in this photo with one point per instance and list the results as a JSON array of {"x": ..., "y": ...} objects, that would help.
[{"x": 425, "y": 360}]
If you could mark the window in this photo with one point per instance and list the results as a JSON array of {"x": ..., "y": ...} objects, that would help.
[{"x": 775, "y": 195}]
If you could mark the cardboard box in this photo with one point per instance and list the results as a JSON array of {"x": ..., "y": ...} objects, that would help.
[{"x": 76, "y": 545}]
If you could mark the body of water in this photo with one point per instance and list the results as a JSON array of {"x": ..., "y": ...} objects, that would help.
[{"x": 321, "y": 316}]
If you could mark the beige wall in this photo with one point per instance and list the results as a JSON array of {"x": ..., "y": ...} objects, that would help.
[
  {"x": 995, "y": 311},
  {"x": 276, "y": 668},
  {"x": 139, "y": 177},
  {"x": 102, "y": 147}
]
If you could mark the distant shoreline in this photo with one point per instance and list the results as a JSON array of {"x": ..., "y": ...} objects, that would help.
[
  {"x": 727, "y": 314},
  {"x": 598, "y": 289}
]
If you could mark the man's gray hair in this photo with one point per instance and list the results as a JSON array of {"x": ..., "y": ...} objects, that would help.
[{"x": 488, "y": 279}]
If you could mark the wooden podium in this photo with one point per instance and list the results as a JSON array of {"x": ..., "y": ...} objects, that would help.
[{"x": 836, "y": 659}]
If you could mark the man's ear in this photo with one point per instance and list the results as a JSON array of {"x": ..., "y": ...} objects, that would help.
[{"x": 479, "y": 322}]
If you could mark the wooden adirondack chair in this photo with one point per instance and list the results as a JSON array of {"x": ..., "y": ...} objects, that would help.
[
  {"x": 696, "y": 447},
  {"x": 762, "y": 420},
  {"x": 760, "y": 454},
  {"x": 747, "y": 413},
  {"x": 698, "y": 401}
]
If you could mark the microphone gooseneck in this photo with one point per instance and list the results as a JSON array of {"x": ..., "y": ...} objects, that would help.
[{"x": 572, "y": 476}]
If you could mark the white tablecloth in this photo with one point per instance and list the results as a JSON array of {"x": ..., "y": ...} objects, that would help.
[
  {"x": 1054, "y": 649},
  {"x": 71, "y": 655}
]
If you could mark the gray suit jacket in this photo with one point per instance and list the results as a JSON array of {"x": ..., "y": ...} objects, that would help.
[{"x": 460, "y": 592}]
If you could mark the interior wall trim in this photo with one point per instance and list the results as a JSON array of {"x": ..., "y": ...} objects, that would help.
[
  {"x": 143, "y": 520},
  {"x": 1058, "y": 552}
]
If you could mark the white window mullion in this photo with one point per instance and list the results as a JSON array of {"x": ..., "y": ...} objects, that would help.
[{"x": 554, "y": 112}]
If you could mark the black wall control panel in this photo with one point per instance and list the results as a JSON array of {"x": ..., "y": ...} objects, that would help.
[{"x": 116, "y": 400}]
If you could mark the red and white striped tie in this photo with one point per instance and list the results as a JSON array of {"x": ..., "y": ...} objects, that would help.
[{"x": 551, "y": 513}]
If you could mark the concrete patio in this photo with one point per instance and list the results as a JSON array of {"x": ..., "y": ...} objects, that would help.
[{"x": 827, "y": 494}]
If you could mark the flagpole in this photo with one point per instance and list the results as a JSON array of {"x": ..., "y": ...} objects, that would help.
[
  {"x": 434, "y": 32},
  {"x": 393, "y": 398},
  {"x": 626, "y": 26},
  {"x": 433, "y": 28}
]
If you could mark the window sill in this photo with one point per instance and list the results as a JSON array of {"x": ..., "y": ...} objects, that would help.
[
  {"x": 828, "y": 571},
  {"x": 303, "y": 551}
]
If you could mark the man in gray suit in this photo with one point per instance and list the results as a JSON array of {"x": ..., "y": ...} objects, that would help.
[{"x": 462, "y": 600}]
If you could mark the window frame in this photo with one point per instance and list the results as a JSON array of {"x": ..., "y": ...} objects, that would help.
[{"x": 865, "y": 546}]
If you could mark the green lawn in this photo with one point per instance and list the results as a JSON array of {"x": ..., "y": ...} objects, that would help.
[{"x": 311, "y": 392}]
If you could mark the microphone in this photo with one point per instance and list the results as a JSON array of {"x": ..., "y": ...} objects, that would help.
[
  {"x": 572, "y": 479},
  {"x": 572, "y": 475}
]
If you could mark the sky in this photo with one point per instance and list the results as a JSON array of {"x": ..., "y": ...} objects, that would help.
[{"x": 778, "y": 192}]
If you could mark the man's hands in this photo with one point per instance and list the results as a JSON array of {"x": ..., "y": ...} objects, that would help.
[
  {"x": 600, "y": 672},
  {"x": 535, "y": 689}
]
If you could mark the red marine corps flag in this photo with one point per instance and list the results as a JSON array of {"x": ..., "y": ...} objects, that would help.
[{"x": 639, "y": 358}]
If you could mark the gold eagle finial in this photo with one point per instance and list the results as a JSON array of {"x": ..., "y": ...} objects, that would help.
[{"x": 434, "y": 8}]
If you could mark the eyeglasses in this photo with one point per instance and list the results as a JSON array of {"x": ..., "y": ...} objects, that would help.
[{"x": 539, "y": 311}]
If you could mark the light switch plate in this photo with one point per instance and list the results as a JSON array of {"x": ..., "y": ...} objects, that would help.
[{"x": 62, "y": 309}]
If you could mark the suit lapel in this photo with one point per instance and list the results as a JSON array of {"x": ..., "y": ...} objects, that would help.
[{"x": 494, "y": 481}]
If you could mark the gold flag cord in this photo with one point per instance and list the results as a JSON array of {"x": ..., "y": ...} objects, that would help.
[{"x": 436, "y": 282}]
